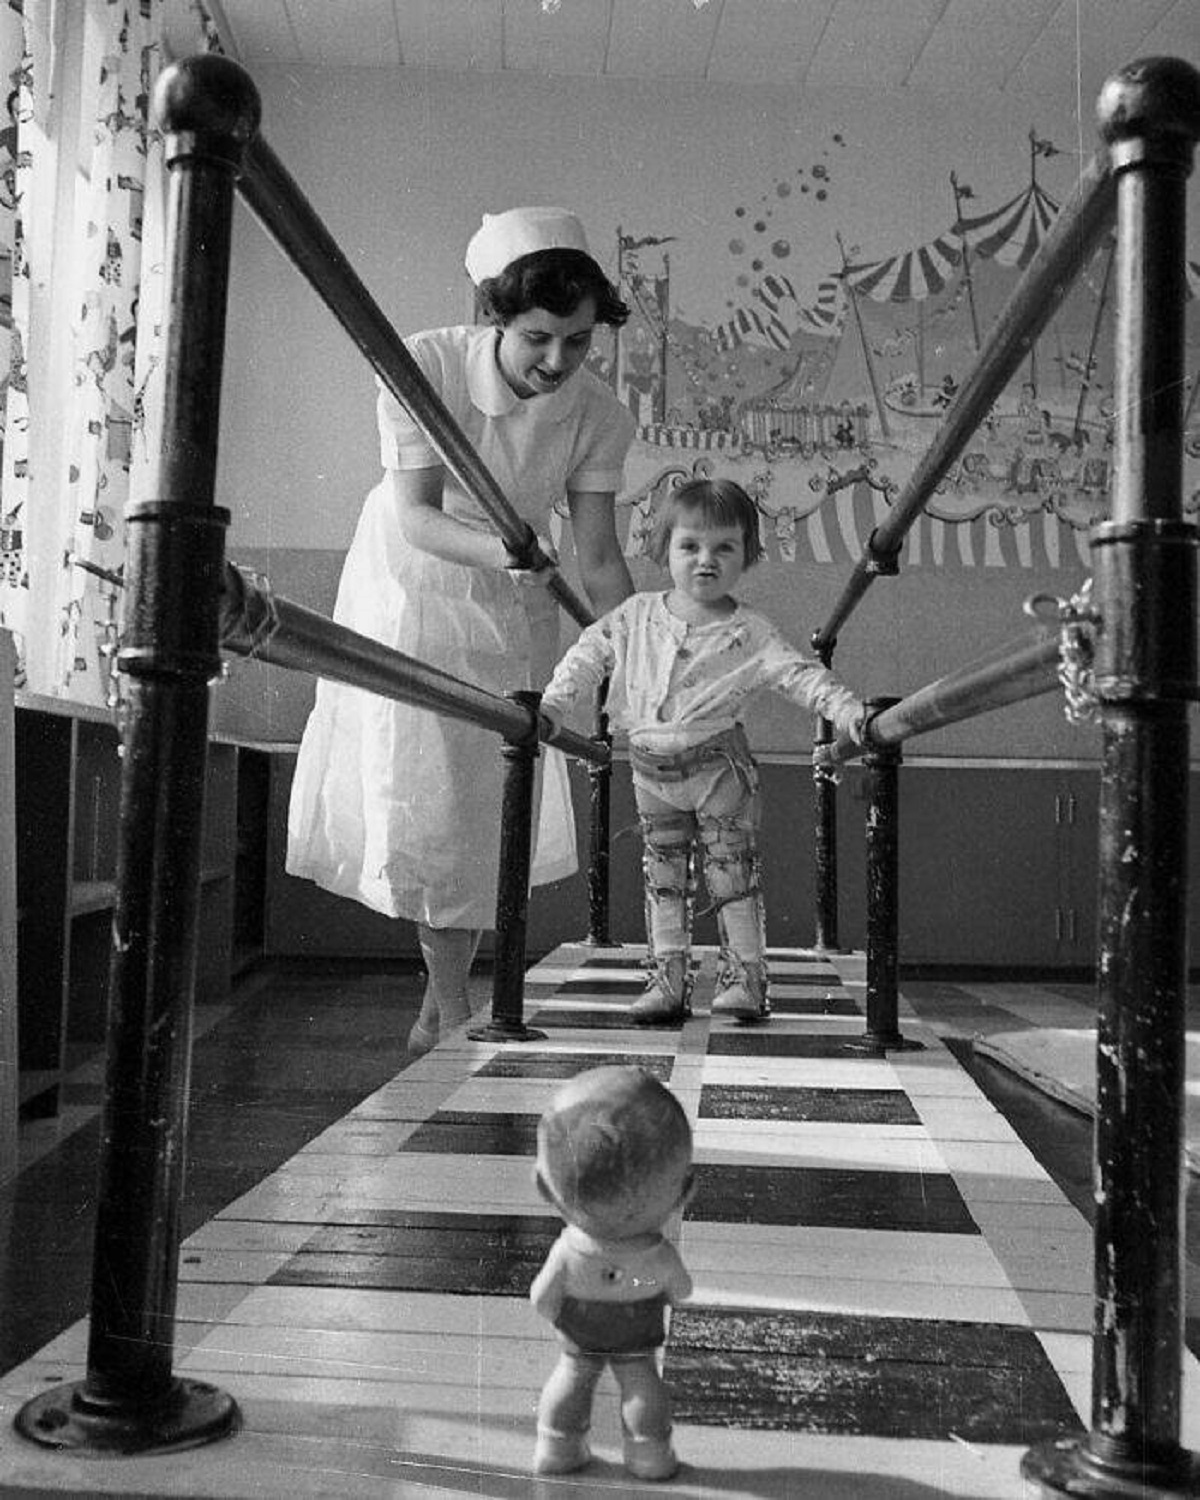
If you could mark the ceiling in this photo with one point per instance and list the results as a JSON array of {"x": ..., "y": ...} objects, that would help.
[{"x": 940, "y": 46}]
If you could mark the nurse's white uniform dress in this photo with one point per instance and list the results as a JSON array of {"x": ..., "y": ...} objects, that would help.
[{"x": 398, "y": 807}]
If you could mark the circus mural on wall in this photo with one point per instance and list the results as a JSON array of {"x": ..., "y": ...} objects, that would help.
[{"x": 820, "y": 401}]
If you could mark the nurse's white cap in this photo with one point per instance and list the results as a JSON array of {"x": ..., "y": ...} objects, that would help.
[{"x": 503, "y": 238}]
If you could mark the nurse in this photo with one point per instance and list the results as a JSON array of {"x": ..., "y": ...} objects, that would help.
[{"x": 398, "y": 807}]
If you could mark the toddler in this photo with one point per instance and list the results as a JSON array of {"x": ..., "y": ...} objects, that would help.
[
  {"x": 682, "y": 666},
  {"x": 615, "y": 1159}
]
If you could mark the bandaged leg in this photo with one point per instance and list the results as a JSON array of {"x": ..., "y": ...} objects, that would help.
[
  {"x": 448, "y": 953},
  {"x": 732, "y": 874},
  {"x": 667, "y": 868}
]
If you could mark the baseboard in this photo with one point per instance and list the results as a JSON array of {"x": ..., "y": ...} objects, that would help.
[{"x": 1021, "y": 973}]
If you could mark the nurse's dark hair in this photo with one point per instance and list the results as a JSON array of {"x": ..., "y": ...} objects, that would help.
[
  {"x": 715, "y": 502},
  {"x": 556, "y": 280}
]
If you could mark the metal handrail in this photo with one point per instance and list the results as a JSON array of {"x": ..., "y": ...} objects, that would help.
[
  {"x": 256, "y": 622},
  {"x": 1016, "y": 671},
  {"x": 274, "y": 197},
  {"x": 1083, "y": 219}
]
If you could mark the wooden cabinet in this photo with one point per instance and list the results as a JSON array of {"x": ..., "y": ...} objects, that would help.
[
  {"x": 67, "y": 791},
  {"x": 998, "y": 870},
  {"x": 997, "y": 865}
]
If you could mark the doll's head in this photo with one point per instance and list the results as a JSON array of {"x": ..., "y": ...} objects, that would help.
[{"x": 615, "y": 1153}]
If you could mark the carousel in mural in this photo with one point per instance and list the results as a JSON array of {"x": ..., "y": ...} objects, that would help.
[{"x": 822, "y": 407}]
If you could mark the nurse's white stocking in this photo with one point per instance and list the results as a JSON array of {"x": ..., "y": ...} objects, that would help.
[{"x": 448, "y": 953}]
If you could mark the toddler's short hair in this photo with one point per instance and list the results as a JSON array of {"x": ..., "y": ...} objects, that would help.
[{"x": 719, "y": 502}]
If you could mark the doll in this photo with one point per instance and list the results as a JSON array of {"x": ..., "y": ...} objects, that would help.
[{"x": 615, "y": 1159}]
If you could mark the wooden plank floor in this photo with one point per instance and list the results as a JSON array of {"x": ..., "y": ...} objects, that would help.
[{"x": 892, "y": 1295}]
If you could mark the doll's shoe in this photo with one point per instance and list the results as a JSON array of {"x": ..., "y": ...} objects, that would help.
[
  {"x": 742, "y": 992},
  {"x": 667, "y": 997},
  {"x": 560, "y": 1452},
  {"x": 650, "y": 1458}
]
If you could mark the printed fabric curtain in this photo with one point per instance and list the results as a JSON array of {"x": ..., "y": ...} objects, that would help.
[{"x": 75, "y": 431}]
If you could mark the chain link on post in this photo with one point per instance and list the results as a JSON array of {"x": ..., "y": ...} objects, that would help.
[{"x": 1077, "y": 619}]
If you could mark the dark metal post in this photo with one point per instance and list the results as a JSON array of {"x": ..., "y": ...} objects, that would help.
[
  {"x": 599, "y": 825},
  {"x": 130, "y": 1401},
  {"x": 882, "y": 765},
  {"x": 825, "y": 868},
  {"x": 1145, "y": 673},
  {"x": 512, "y": 893}
]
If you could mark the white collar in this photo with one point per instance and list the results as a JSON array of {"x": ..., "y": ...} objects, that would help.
[{"x": 492, "y": 394}]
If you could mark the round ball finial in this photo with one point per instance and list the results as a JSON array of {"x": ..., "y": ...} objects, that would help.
[
  {"x": 1152, "y": 96},
  {"x": 208, "y": 95}
]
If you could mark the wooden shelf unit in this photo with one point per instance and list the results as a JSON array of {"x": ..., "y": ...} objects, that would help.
[{"x": 67, "y": 791}]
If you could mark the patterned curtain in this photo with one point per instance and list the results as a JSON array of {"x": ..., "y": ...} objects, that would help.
[
  {"x": 62, "y": 515},
  {"x": 17, "y": 66},
  {"x": 116, "y": 339}
]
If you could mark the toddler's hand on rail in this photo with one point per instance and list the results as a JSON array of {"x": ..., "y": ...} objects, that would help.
[{"x": 825, "y": 767}]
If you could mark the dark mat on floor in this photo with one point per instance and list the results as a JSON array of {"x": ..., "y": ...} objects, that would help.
[
  {"x": 831, "y": 1197},
  {"x": 758, "y": 1041},
  {"x": 467, "y": 1133},
  {"x": 842, "y": 1106},
  {"x": 488, "y": 1255},
  {"x": 585, "y": 1018},
  {"x": 813, "y": 1005},
  {"x": 911, "y": 1378},
  {"x": 567, "y": 1064}
]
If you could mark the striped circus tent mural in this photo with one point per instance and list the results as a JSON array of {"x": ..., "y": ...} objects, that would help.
[
  {"x": 911, "y": 277},
  {"x": 1011, "y": 233},
  {"x": 838, "y": 530}
]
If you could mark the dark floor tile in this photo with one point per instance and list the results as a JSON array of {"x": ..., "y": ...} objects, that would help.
[
  {"x": 489, "y": 1255},
  {"x": 626, "y": 988},
  {"x": 762, "y": 1042},
  {"x": 813, "y": 1005},
  {"x": 613, "y": 961},
  {"x": 482, "y": 1134},
  {"x": 844, "y": 1106},
  {"x": 567, "y": 1064},
  {"x": 588, "y": 1018},
  {"x": 824, "y": 977},
  {"x": 829, "y": 1197},
  {"x": 509, "y": 1277},
  {"x": 902, "y": 1378}
]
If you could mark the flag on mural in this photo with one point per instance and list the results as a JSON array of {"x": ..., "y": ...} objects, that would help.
[
  {"x": 747, "y": 326},
  {"x": 784, "y": 314},
  {"x": 827, "y": 315}
]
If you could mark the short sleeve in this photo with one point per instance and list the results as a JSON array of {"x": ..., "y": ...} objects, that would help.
[
  {"x": 599, "y": 461},
  {"x": 402, "y": 441}
]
